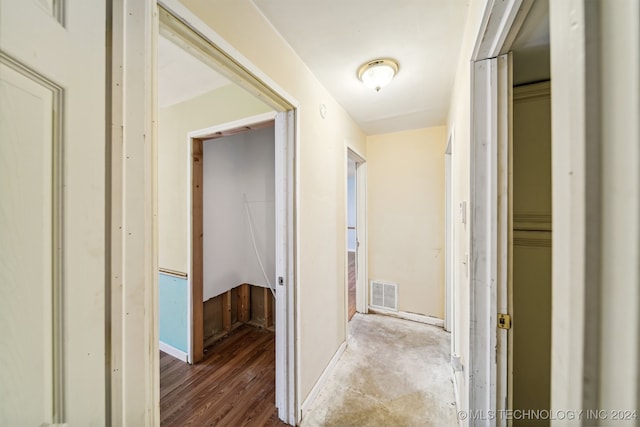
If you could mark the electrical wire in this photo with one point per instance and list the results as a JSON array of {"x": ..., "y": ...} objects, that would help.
[{"x": 255, "y": 247}]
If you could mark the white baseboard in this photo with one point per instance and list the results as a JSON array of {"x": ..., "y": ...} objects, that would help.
[
  {"x": 172, "y": 351},
  {"x": 321, "y": 381},
  {"x": 429, "y": 320}
]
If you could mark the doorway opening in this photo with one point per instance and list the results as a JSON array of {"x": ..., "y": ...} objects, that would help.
[
  {"x": 352, "y": 236},
  {"x": 529, "y": 290},
  {"x": 356, "y": 235},
  {"x": 510, "y": 219},
  {"x": 226, "y": 234}
]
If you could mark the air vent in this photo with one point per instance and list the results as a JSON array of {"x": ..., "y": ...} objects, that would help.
[{"x": 384, "y": 295}]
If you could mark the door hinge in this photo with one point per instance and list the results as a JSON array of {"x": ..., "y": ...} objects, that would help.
[
  {"x": 504, "y": 321},
  {"x": 281, "y": 281}
]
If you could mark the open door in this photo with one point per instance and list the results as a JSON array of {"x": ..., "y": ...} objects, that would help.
[
  {"x": 356, "y": 234},
  {"x": 53, "y": 213}
]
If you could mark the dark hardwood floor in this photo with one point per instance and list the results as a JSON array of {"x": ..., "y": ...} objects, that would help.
[
  {"x": 233, "y": 386},
  {"x": 352, "y": 284}
]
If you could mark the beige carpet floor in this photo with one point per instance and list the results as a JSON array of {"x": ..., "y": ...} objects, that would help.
[{"x": 393, "y": 373}]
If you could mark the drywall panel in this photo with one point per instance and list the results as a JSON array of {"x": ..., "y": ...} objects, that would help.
[
  {"x": 459, "y": 126},
  {"x": 406, "y": 216},
  {"x": 219, "y": 106},
  {"x": 238, "y": 187},
  {"x": 173, "y": 299}
]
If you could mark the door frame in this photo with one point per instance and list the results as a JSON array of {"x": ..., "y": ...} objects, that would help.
[
  {"x": 449, "y": 232},
  {"x": 195, "y": 282},
  {"x": 361, "y": 233},
  {"x": 490, "y": 198},
  {"x": 208, "y": 46}
]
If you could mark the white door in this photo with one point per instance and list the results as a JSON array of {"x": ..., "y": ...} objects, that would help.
[
  {"x": 490, "y": 225},
  {"x": 52, "y": 212}
]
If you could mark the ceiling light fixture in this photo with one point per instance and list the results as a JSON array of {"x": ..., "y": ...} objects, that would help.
[{"x": 378, "y": 73}]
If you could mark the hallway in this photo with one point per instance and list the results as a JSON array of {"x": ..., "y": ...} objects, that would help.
[{"x": 393, "y": 372}]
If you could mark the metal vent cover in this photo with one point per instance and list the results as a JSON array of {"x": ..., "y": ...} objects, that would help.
[{"x": 384, "y": 295}]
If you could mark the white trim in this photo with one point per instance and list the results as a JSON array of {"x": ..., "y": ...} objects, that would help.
[
  {"x": 482, "y": 366},
  {"x": 420, "y": 318},
  {"x": 134, "y": 372},
  {"x": 209, "y": 132},
  {"x": 172, "y": 351},
  {"x": 317, "y": 387},
  {"x": 286, "y": 381},
  {"x": 500, "y": 24},
  {"x": 361, "y": 232},
  {"x": 448, "y": 239},
  {"x": 504, "y": 213},
  {"x": 200, "y": 27},
  {"x": 362, "y": 278}
]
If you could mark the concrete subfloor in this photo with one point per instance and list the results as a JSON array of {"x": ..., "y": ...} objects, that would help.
[{"x": 393, "y": 373}]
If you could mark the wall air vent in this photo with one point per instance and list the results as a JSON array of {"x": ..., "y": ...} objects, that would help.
[{"x": 384, "y": 295}]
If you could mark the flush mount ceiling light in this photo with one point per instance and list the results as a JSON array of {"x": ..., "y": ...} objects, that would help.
[{"x": 378, "y": 73}]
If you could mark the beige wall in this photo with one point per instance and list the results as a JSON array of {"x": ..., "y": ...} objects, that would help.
[
  {"x": 321, "y": 159},
  {"x": 459, "y": 124},
  {"x": 531, "y": 275},
  {"x": 405, "y": 214},
  {"x": 595, "y": 105},
  {"x": 219, "y": 106}
]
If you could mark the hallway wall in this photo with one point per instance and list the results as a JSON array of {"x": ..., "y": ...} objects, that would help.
[
  {"x": 405, "y": 213},
  {"x": 459, "y": 125},
  {"x": 322, "y": 172}
]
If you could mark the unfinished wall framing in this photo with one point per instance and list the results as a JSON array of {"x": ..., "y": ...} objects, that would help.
[{"x": 244, "y": 304}]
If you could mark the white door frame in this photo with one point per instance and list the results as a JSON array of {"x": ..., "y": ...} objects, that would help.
[
  {"x": 215, "y": 51},
  {"x": 132, "y": 315},
  {"x": 449, "y": 295},
  {"x": 595, "y": 106},
  {"x": 489, "y": 200},
  {"x": 361, "y": 231},
  {"x": 202, "y": 134}
]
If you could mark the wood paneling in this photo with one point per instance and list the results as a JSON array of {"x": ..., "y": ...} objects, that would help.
[
  {"x": 197, "y": 270},
  {"x": 268, "y": 308},
  {"x": 226, "y": 311},
  {"x": 244, "y": 303},
  {"x": 233, "y": 386}
]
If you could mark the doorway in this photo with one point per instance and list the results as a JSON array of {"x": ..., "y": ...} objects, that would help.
[
  {"x": 182, "y": 237},
  {"x": 499, "y": 256},
  {"x": 529, "y": 359},
  {"x": 356, "y": 235}
]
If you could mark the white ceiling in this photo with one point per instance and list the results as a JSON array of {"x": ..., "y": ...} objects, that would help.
[
  {"x": 181, "y": 76},
  {"x": 335, "y": 37}
]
